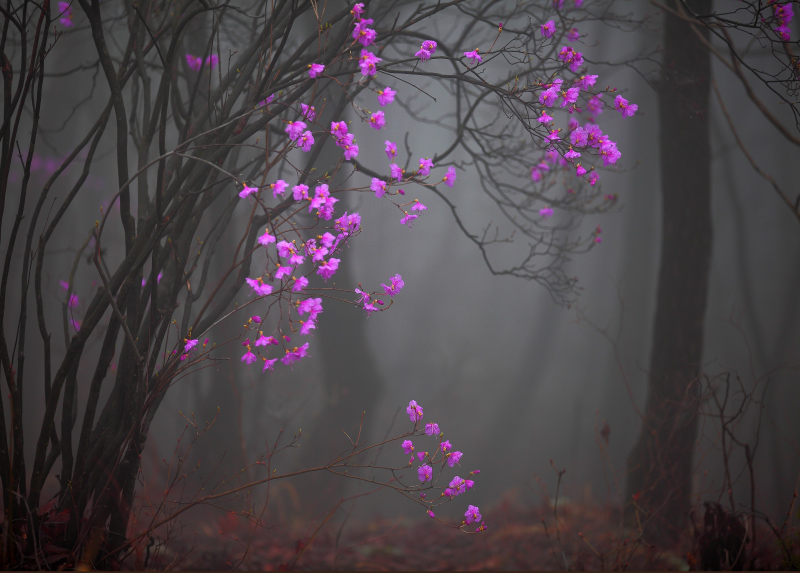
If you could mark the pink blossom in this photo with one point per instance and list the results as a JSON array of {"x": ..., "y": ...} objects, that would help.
[
  {"x": 453, "y": 458},
  {"x": 548, "y": 28},
  {"x": 386, "y": 96},
  {"x": 473, "y": 57},
  {"x": 473, "y": 514},
  {"x": 396, "y": 172},
  {"x": 377, "y": 120},
  {"x": 338, "y": 129},
  {"x": 307, "y": 327},
  {"x": 295, "y": 129},
  {"x": 65, "y": 10},
  {"x": 418, "y": 206},
  {"x": 423, "y": 54},
  {"x": 432, "y": 429},
  {"x": 282, "y": 272},
  {"x": 294, "y": 355},
  {"x": 350, "y": 151},
  {"x": 593, "y": 177},
  {"x": 425, "y": 473},
  {"x": 300, "y": 192},
  {"x": 247, "y": 191},
  {"x": 546, "y": 212},
  {"x": 378, "y": 186},
  {"x": 430, "y": 46},
  {"x": 363, "y": 34},
  {"x": 265, "y": 340},
  {"x": 408, "y": 219},
  {"x": 625, "y": 108},
  {"x": 212, "y": 61},
  {"x": 425, "y": 165},
  {"x": 595, "y": 105},
  {"x": 327, "y": 269},
  {"x": 358, "y": 9},
  {"x": 312, "y": 306},
  {"x": 368, "y": 62},
  {"x": 194, "y": 62},
  {"x": 315, "y": 69},
  {"x": 190, "y": 344},
  {"x": 269, "y": 364},
  {"x": 580, "y": 170},
  {"x": 414, "y": 411},
  {"x": 573, "y": 35},
  {"x": 396, "y": 284},
  {"x": 408, "y": 447},
  {"x": 300, "y": 284},
  {"x": 259, "y": 287},
  {"x": 266, "y": 238},
  {"x": 308, "y": 111},
  {"x": 391, "y": 149},
  {"x": 278, "y": 188},
  {"x": 450, "y": 176},
  {"x": 249, "y": 357},
  {"x": 306, "y": 141},
  {"x": 544, "y": 118}
]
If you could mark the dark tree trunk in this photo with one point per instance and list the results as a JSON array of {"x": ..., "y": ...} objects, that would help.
[{"x": 660, "y": 465}]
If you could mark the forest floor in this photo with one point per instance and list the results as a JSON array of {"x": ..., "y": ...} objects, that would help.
[{"x": 586, "y": 537}]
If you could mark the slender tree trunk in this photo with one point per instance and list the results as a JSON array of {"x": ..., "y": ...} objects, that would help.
[{"x": 660, "y": 465}]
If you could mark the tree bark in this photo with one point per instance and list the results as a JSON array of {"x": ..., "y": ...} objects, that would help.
[{"x": 660, "y": 465}]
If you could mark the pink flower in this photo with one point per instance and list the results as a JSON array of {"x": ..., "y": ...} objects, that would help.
[
  {"x": 610, "y": 153},
  {"x": 573, "y": 35},
  {"x": 391, "y": 149},
  {"x": 425, "y": 165},
  {"x": 294, "y": 355},
  {"x": 549, "y": 96},
  {"x": 578, "y": 137},
  {"x": 363, "y": 34},
  {"x": 408, "y": 219},
  {"x": 295, "y": 129},
  {"x": 312, "y": 306},
  {"x": 396, "y": 172},
  {"x": 315, "y": 69},
  {"x": 423, "y": 54},
  {"x": 300, "y": 192},
  {"x": 378, "y": 186},
  {"x": 308, "y": 111},
  {"x": 247, "y": 191},
  {"x": 544, "y": 118},
  {"x": 625, "y": 108},
  {"x": 546, "y": 212},
  {"x": 473, "y": 57},
  {"x": 418, "y": 206},
  {"x": 432, "y": 429},
  {"x": 265, "y": 340},
  {"x": 249, "y": 357},
  {"x": 548, "y": 29},
  {"x": 445, "y": 446},
  {"x": 580, "y": 170},
  {"x": 595, "y": 105},
  {"x": 282, "y": 272},
  {"x": 585, "y": 82},
  {"x": 350, "y": 151},
  {"x": 453, "y": 458},
  {"x": 414, "y": 411},
  {"x": 65, "y": 10},
  {"x": 190, "y": 344},
  {"x": 368, "y": 62},
  {"x": 450, "y": 176},
  {"x": 377, "y": 120},
  {"x": 422, "y": 455},
  {"x": 358, "y": 9},
  {"x": 212, "y": 61},
  {"x": 571, "y": 154},
  {"x": 269, "y": 364},
  {"x": 408, "y": 447},
  {"x": 300, "y": 284},
  {"x": 306, "y": 141},
  {"x": 472, "y": 514},
  {"x": 430, "y": 46},
  {"x": 194, "y": 62},
  {"x": 279, "y": 188},
  {"x": 425, "y": 473},
  {"x": 259, "y": 287},
  {"x": 396, "y": 284},
  {"x": 430, "y": 512},
  {"x": 327, "y": 269},
  {"x": 338, "y": 129},
  {"x": 386, "y": 96},
  {"x": 307, "y": 327},
  {"x": 593, "y": 177}
]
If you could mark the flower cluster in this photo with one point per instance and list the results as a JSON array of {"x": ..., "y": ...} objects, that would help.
[
  {"x": 429, "y": 462},
  {"x": 196, "y": 62},
  {"x": 783, "y": 15}
]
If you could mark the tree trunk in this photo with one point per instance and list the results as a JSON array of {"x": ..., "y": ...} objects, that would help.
[{"x": 660, "y": 465}]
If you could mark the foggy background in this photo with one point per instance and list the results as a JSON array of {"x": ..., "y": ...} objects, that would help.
[{"x": 513, "y": 379}]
